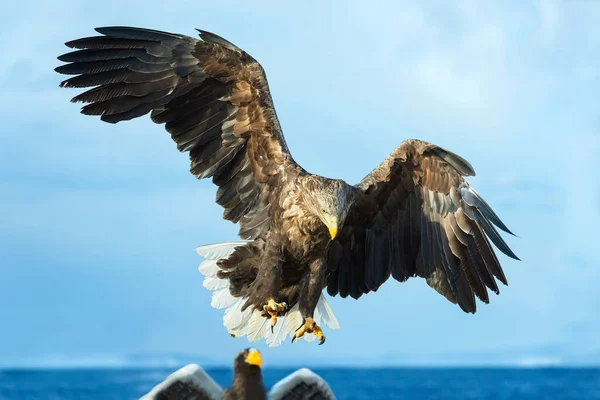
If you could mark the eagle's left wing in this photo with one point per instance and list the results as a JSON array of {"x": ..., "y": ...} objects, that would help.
[
  {"x": 189, "y": 382},
  {"x": 416, "y": 215},
  {"x": 301, "y": 385}
]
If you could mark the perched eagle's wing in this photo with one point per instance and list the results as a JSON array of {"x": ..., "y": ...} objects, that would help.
[
  {"x": 415, "y": 215},
  {"x": 212, "y": 97},
  {"x": 301, "y": 385},
  {"x": 189, "y": 382}
]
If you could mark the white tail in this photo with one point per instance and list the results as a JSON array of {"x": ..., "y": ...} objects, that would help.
[{"x": 250, "y": 322}]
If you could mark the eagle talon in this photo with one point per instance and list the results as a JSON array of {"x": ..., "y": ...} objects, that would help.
[
  {"x": 309, "y": 326},
  {"x": 273, "y": 310}
]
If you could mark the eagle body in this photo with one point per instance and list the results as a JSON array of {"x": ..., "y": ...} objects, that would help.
[
  {"x": 247, "y": 379},
  {"x": 289, "y": 260},
  {"x": 414, "y": 215}
]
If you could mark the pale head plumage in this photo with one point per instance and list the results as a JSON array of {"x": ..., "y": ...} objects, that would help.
[{"x": 330, "y": 200}]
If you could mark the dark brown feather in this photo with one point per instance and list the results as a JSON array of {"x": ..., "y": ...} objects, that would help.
[
  {"x": 247, "y": 381},
  {"x": 416, "y": 215},
  {"x": 212, "y": 97}
]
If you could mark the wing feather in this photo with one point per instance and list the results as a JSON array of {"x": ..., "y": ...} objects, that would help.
[
  {"x": 211, "y": 96},
  {"x": 302, "y": 384},
  {"x": 189, "y": 382},
  {"x": 415, "y": 215}
]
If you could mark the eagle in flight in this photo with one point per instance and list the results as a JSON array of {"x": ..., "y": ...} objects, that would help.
[{"x": 413, "y": 215}]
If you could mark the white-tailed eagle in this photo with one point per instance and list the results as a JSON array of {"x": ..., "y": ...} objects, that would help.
[{"x": 413, "y": 215}]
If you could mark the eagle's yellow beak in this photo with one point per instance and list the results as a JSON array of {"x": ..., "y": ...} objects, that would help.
[
  {"x": 333, "y": 232},
  {"x": 254, "y": 358},
  {"x": 332, "y": 224}
]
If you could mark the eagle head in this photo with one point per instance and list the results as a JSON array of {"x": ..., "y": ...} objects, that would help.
[
  {"x": 249, "y": 359},
  {"x": 330, "y": 201}
]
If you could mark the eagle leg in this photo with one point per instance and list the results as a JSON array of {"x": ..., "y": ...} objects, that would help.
[
  {"x": 310, "y": 293},
  {"x": 273, "y": 310},
  {"x": 268, "y": 280},
  {"x": 309, "y": 326}
]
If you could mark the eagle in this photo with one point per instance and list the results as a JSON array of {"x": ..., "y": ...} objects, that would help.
[
  {"x": 414, "y": 215},
  {"x": 192, "y": 382}
]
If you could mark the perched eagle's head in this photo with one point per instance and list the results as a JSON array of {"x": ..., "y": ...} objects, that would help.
[
  {"x": 248, "y": 360},
  {"x": 330, "y": 200}
]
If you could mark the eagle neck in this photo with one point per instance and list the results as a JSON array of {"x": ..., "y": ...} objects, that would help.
[{"x": 249, "y": 386}]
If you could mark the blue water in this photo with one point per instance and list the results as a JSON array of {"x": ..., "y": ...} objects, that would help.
[{"x": 355, "y": 384}]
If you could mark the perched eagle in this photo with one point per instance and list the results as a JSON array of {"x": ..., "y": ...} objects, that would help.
[
  {"x": 191, "y": 382},
  {"x": 413, "y": 215}
]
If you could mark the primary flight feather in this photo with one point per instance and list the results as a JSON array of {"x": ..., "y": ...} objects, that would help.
[{"x": 413, "y": 215}]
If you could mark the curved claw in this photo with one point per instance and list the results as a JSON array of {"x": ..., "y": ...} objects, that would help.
[
  {"x": 318, "y": 332},
  {"x": 299, "y": 332},
  {"x": 273, "y": 310},
  {"x": 309, "y": 326}
]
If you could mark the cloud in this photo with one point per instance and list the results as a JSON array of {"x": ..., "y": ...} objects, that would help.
[{"x": 538, "y": 362}]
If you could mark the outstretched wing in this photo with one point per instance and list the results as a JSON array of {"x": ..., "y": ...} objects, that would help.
[
  {"x": 417, "y": 216},
  {"x": 212, "y": 97},
  {"x": 189, "y": 382},
  {"x": 301, "y": 385}
]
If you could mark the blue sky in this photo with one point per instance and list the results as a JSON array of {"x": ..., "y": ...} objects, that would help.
[{"x": 98, "y": 223}]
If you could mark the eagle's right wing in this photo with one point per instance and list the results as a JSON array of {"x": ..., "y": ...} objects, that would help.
[
  {"x": 212, "y": 97},
  {"x": 189, "y": 382},
  {"x": 301, "y": 385}
]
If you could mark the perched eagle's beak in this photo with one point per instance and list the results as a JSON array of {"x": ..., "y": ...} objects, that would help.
[
  {"x": 331, "y": 222},
  {"x": 254, "y": 358}
]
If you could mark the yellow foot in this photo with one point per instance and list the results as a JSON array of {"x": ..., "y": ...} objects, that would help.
[
  {"x": 310, "y": 326},
  {"x": 274, "y": 310}
]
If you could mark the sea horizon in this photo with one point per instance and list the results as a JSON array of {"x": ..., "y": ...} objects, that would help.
[
  {"x": 347, "y": 382},
  {"x": 297, "y": 366}
]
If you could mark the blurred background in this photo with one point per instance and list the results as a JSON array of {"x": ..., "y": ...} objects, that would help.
[{"x": 98, "y": 223}]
